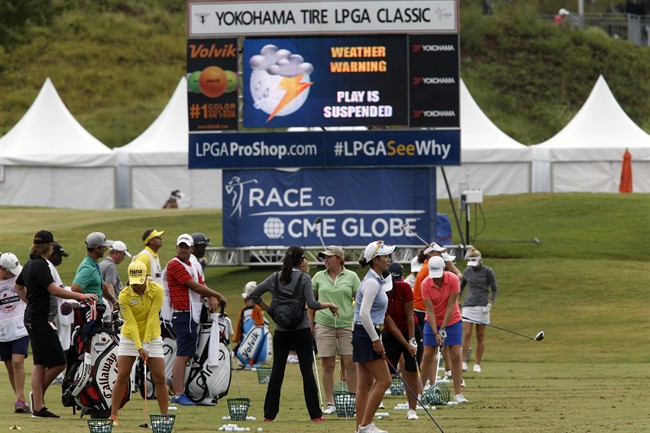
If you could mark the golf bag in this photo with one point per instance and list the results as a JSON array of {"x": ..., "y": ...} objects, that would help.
[
  {"x": 92, "y": 370},
  {"x": 255, "y": 346}
]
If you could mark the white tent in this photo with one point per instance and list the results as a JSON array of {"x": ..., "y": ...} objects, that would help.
[
  {"x": 491, "y": 160},
  {"x": 587, "y": 154},
  {"x": 49, "y": 159},
  {"x": 155, "y": 163}
]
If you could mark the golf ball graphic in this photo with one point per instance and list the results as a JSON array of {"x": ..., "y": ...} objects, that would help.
[
  {"x": 280, "y": 81},
  {"x": 213, "y": 81}
]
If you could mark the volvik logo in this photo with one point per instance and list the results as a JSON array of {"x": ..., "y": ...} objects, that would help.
[{"x": 213, "y": 51}]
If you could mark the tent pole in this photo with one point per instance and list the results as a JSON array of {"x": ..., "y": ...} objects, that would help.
[{"x": 453, "y": 209}]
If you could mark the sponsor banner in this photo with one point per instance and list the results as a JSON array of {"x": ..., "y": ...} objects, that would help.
[
  {"x": 335, "y": 81},
  {"x": 434, "y": 85},
  {"x": 325, "y": 149},
  {"x": 341, "y": 206},
  {"x": 212, "y": 84},
  {"x": 228, "y": 18}
]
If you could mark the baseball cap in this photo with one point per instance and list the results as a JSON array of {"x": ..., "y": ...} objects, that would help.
[
  {"x": 564, "y": 12},
  {"x": 120, "y": 246},
  {"x": 396, "y": 271},
  {"x": 415, "y": 265},
  {"x": 436, "y": 267},
  {"x": 332, "y": 250},
  {"x": 248, "y": 289},
  {"x": 473, "y": 261},
  {"x": 185, "y": 239},
  {"x": 10, "y": 262},
  {"x": 58, "y": 248},
  {"x": 447, "y": 257},
  {"x": 200, "y": 239},
  {"x": 137, "y": 272},
  {"x": 150, "y": 234},
  {"x": 434, "y": 247},
  {"x": 43, "y": 237},
  {"x": 377, "y": 248},
  {"x": 97, "y": 239}
]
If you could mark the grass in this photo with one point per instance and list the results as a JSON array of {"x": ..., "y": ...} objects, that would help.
[{"x": 585, "y": 285}]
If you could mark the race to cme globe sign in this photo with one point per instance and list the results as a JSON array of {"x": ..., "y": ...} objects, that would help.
[{"x": 254, "y": 64}]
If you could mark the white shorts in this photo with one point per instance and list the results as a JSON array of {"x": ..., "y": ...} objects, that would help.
[
  {"x": 476, "y": 313},
  {"x": 127, "y": 348}
]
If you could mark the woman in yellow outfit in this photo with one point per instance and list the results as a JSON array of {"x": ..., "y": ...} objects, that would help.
[{"x": 140, "y": 303}]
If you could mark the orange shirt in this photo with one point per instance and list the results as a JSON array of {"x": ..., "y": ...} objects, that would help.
[{"x": 418, "y": 303}]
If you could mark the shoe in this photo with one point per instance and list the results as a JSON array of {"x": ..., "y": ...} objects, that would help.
[
  {"x": 448, "y": 373},
  {"x": 330, "y": 409},
  {"x": 114, "y": 419},
  {"x": 21, "y": 407},
  {"x": 183, "y": 400},
  {"x": 319, "y": 419},
  {"x": 477, "y": 368},
  {"x": 371, "y": 428},
  {"x": 381, "y": 405},
  {"x": 465, "y": 366},
  {"x": 462, "y": 383},
  {"x": 292, "y": 359},
  {"x": 411, "y": 415},
  {"x": 59, "y": 379},
  {"x": 44, "y": 413},
  {"x": 268, "y": 420},
  {"x": 444, "y": 379},
  {"x": 460, "y": 398}
]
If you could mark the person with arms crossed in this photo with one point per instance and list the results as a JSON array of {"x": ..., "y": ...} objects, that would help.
[
  {"x": 14, "y": 339},
  {"x": 186, "y": 288},
  {"x": 373, "y": 376},
  {"x": 34, "y": 285},
  {"x": 153, "y": 241},
  {"x": 140, "y": 304},
  {"x": 108, "y": 266}
]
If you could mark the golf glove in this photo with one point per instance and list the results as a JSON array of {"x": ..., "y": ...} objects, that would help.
[
  {"x": 146, "y": 347},
  {"x": 443, "y": 333},
  {"x": 487, "y": 308},
  {"x": 413, "y": 343}
]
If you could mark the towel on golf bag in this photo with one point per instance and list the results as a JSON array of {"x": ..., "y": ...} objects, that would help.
[
  {"x": 206, "y": 381},
  {"x": 92, "y": 369},
  {"x": 255, "y": 343},
  {"x": 169, "y": 350}
]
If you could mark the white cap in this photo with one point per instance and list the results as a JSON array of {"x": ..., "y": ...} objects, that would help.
[
  {"x": 121, "y": 247},
  {"x": 564, "y": 12},
  {"x": 248, "y": 289},
  {"x": 377, "y": 248},
  {"x": 415, "y": 265},
  {"x": 473, "y": 261},
  {"x": 10, "y": 262},
  {"x": 185, "y": 239},
  {"x": 434, "y": 247},
  {"x": 436, "y": 267},
  {"x": 448, "y": 257}
]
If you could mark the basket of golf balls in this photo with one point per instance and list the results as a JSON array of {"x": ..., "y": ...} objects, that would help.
[
  {"x": 238, "y": 408},
  {"x": 396, "y": 386},
  {"x": 100, "y": 425},
  {"x": 437, "y": 394},
  {"x": 263, "y": 375},
  {"x": 162, "y": 423},
  {"x": 345, "y": 404}
]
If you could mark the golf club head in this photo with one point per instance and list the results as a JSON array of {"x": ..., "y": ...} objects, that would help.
[
  {"x": 144, "y": 425},
  {"x": 540, "y": 336},
  {"x": 537, "y": 241},
  {"x": 318, "y": 220},
  {"x": 404, "y": 227}
]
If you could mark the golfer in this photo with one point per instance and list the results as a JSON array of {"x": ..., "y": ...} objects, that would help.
[
  {"x": 373, "y": 377},
  {"x": 443, "y": 326},
  {"x": 477, "y": 303},
  {"x": 286, "y": 282},
  {"x": 332, "y": 334},
  {"x": 140, "y": 303}
]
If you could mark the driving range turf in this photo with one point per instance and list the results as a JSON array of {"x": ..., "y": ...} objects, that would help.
[{"x": 587, "y": 286}]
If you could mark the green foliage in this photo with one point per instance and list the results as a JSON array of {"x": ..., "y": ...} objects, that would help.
[{"x": 116, "y": 63}]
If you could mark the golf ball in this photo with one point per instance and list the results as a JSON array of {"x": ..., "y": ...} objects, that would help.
[
  {"x": 380, "y": 417},
  {"x": 259, "y": 429}
]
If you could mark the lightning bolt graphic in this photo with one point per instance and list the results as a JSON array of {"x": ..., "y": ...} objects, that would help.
[{"x": 294, "y": 88}]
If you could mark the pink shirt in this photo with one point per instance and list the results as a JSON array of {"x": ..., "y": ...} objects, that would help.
[{"x": 440, "y": 296}]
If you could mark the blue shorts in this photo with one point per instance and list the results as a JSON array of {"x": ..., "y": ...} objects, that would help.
[
  {"x": 186, "y": 333},
  {"x": 454, "y": 335},
  {"x": 15, "y": 347},
  {"x": 362, "y": 350}
]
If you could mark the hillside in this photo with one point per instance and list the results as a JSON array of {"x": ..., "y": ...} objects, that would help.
[{"x": 116, "y": 63}]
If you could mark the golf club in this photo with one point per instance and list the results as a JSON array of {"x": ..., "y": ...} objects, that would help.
[
  {"x": 412, "y": 392},
  {"x": 232, "y": 365},
  {"x": 533, "y": 240},
  {"x": 146, "y": 410},
  {"x": 538, "y": 337},
  {"x": 406, "y": 228},
  {"x": 320, "y": 395},
  {"x": 318, "y": 222}
]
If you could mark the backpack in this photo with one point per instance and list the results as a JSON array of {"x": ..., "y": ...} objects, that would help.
[
  {"x": 255, "y": 346},
  {"x": 287, "y": 312}
]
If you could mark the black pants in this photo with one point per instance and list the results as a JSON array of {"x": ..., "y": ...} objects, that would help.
[{"x": 301, "y": 340}]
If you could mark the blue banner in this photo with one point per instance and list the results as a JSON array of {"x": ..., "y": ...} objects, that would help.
[
  {"x": 385, "y": 148},
  {"x": 341, "y": 206}
]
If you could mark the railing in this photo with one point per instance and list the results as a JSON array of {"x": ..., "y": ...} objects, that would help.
[{"x": 631, "y": 27}]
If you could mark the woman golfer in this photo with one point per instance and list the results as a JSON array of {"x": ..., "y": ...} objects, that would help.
[
  {"x": 140, "y": 304},
  {"x": 373, "y": 377}
]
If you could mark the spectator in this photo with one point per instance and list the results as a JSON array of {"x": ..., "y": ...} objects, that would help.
[
  {"x": 337, "y": 285},
  {"x": 286, "y": 282},
  {"x": 186, "y": 288},
  {"x": 108, "y": 266},
  {"x": 477, "y": 303},
  {"x": 415, "y": 268},
  {"x": 562, "y": 17},
  {"x": 34, "y": 285},
  {"x": 88, "y": 278},
  {"x": 201, "y": 242},
  {"x": 63, "y": 323},
  {"x": 14, "y": 339},
  {"x": 373, "y": 376},
  {"x": 153, "y": 241}
]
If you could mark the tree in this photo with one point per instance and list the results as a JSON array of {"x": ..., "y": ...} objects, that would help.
[{"x": 17, "y": 16}]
